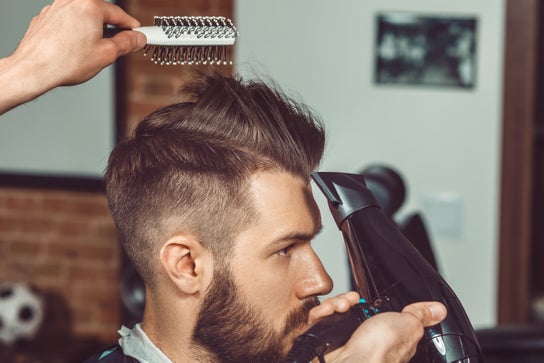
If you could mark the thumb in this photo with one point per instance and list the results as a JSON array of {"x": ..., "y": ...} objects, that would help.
[
  {"x": 429, "y": 313},
  {"x": 129, "y": 41}
]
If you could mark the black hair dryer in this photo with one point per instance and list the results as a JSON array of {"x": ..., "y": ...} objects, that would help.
[{"x": 390, "y": 274}]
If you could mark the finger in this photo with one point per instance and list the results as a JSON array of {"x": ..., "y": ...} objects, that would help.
[
  {"x": 128, "y": 41},
  {"x": 45, "y": 10},
  {"x": 58, "y": 3},
  {"x": 346, "y": 300},
  {"x": 340, "y": 303},
  {"x": 40, "y": 15},
  {"x": 319, "y": 312},
  {"x": 428, "y": 313},
  {"x": 114, "y": 15},
  {"x": 34, "y": 22},
  {"x": 351, "y": 296}
]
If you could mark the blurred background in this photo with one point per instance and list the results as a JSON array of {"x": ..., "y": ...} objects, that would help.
[{"x": 448, "y": 94}]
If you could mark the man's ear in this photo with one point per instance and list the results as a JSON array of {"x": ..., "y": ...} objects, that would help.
[{"x": 186, "y": 262}]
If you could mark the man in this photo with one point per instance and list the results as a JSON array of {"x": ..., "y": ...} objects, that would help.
[
  {"x": 212, "y": 201},
  {"x": 64, "y": 46}
]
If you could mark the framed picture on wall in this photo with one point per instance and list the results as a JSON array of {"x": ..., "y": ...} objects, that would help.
[{"x": 415, "y": 49}]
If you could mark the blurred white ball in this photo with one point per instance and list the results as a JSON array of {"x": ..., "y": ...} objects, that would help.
[{"x": 21, "y": 312}]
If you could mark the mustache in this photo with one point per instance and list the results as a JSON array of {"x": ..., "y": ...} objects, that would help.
[{"x": 300, "y": 316}]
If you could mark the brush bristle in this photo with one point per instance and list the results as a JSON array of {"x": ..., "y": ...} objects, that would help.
[{"x": 181, "y": 55}]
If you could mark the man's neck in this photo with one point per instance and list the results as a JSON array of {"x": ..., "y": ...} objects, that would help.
[
  {"x": 173, "y": 336},
  {"x": 189, "y": 353}
]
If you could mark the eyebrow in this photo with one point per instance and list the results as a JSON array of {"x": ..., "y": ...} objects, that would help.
[{"x": 297, "y": 236}]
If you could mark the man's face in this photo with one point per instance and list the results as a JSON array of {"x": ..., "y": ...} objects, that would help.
[{"x": 258, "y": 302}]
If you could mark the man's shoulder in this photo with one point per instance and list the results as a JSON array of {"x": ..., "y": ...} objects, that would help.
[{"x": 113, "y": 354}]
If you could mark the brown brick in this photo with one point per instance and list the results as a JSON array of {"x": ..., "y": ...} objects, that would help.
[
  {"x": 72, "y": 249},
  {"x": 102, "y": 300},
  {"x": 5, "y": 224},
  {"x": 160, "y": 87},
  {"x": 94, "y": 273},
  {"x": 85, "y": 313},
  {"x": 47, "y": 269},
  {"x": 16, "y": 202},
  {"x": 29, "y": 247},
  {"x": 71, "y": 228},
  {"x": 51, "y": 284},
  {"x": 105, "y": 231},
  {"x": 79, "y": 206},
  {"x": 39, "y": 224}
]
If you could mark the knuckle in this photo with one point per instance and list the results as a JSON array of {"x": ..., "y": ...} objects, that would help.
[
  {"x": 413, "y": 320},
  {"x": 110, "y": 51},
  {"x": 88, "y": 6}
]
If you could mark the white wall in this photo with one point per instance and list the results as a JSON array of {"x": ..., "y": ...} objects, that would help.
[
  {"x": 67, "y": 132},
  {"x": 446, "y": 142}
]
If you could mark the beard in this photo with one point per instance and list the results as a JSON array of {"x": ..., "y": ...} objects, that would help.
[{"x": 232, "y": 330}]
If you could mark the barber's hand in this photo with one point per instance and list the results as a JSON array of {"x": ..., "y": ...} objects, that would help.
[
  {"x": 65, "y": 39},
  {"x": 389, "y": 337},
  {"x": 337, "y": 304},
  {"x": 64, "y": 46}
]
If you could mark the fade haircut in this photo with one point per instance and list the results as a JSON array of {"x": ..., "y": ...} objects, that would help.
[{"x": 186, "y": 167}]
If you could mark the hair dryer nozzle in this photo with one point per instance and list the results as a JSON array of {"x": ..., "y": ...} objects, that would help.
[{"x": 346, "y": 194}]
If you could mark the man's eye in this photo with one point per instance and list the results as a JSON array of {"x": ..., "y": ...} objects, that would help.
[{"x": 285, "y": 251}]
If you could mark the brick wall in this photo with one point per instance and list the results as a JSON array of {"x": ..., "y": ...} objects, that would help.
[{"x": 64, "y": 242}]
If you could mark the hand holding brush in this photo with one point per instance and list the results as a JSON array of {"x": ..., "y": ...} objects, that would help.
[
  {"x": 64, "y": 45},
  {"x": 70, "y": 41}
]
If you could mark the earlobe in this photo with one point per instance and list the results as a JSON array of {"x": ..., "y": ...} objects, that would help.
[{"x": 182, "y": 260}]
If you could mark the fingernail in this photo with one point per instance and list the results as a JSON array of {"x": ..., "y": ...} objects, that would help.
[
  {"x": 142, "y": 40},
  {"x": 438, "y": 311}
]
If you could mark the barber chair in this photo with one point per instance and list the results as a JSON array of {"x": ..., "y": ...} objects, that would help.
[{"x": 508, "y": 343}]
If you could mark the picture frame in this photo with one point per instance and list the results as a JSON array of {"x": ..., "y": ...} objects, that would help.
[{"x": 426, "y": 50}]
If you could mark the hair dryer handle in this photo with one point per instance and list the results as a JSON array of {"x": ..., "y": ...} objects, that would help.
[{"x": 333, "y": 331}]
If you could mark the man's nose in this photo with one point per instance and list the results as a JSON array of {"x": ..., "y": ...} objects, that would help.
[{"x": 314, "y": 280}]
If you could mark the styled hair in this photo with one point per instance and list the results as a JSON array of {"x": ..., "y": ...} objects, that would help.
[{"x": 186, "y": 167}]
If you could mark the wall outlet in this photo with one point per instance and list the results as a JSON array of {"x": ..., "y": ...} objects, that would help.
[{"x": 444, "y": 213}]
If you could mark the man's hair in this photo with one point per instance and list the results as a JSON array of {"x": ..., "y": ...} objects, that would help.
[{"x": 187, "y": 166}]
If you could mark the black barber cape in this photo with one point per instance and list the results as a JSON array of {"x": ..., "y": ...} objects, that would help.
[{"x": 113, "y": 354}]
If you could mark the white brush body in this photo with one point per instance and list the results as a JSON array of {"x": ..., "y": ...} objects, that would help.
[{"x": 178, "y": 36}]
